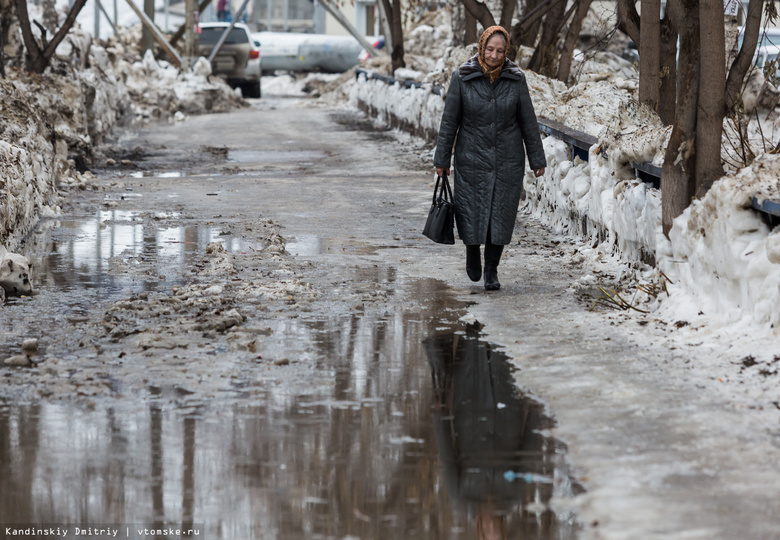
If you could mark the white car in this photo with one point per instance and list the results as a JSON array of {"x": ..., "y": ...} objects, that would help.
[{"x": 238, "y": 61}]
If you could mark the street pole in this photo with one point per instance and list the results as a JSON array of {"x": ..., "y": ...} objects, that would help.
[
  {"x": 286, "y": 15},
  {"x": 226, "y": 33},
  {"x": 156, "y": 34},
  {"x": 97, "y": 19},
  {"x": 147, "y": 40},
  {"x": 269, "y": 5},
  {"x": 111, "y": 24},
  {"x": 331, "y": 8},
  {"x": 189, "y": 33}
]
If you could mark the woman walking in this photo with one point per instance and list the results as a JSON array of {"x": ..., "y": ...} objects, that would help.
[{"x": 489, "y": 109}]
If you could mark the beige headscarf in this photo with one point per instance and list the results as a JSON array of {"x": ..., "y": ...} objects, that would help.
[{"x": 492, "y": 73}]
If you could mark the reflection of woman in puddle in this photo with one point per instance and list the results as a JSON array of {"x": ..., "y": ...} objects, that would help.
[{"x": 483, "y": 430}]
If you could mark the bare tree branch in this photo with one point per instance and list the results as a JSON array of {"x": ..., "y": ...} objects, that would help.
[
  {"x": 43, "y": 30},
  {"x": 33, "y": 50},
  {"x": 38, "y": 57},
  {"x": 64, "y": 29},
  {"x": 545, "y": 58},
  {"x": 628, "y": 19},
  {"x": 480, "y": 12},
  {"x": 471, "y": 28},
  {"x": 572, "y": 35},
  {"x": 744, "y": 58},
  {"x": 507, "y": 12}
]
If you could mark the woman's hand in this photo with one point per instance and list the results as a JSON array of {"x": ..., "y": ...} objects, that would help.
[
  {"x": 441, "y": 171},
  {"x": 538, "y": 172}
]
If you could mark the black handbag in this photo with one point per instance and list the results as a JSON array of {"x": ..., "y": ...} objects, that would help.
[{"x": 441, "y": 218}]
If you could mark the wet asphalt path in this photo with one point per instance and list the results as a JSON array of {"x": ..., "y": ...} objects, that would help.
[{"x": 339, "y": 431}]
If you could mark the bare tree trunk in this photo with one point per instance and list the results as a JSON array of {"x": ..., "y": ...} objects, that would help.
[
  {"x": 712, "y": 101},
  {"x": 679, "y": 170},
  {"x": 544, "y": 59},
  {"x": 471, "y": 28},
  {"x": 628, "y": 20},
  {"x": 458, "y": 19},
  {"x": 397, "y": 32},
  {"x": 480, "y": 12},
  {"x": 507, "y": 12},
  {"x": 38, "y": 57},
  {"x": 7, "y": 18},
  {"x": 668, "y": 72},
  {"x": 744, "y": 58},
  {"x": 572, "y": 35},
  {"x": 527, "y": 29},
  {"x": 650, "y": 54},
  {"x": 2, "y": 47}
]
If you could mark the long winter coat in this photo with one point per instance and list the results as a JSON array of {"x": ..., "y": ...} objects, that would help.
[{"x": 491, "y": 122}]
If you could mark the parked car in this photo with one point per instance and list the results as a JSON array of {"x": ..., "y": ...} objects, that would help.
[{"x": 238, "y": 61}]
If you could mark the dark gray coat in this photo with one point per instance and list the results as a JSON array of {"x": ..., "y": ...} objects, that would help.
[{"x": 491, "y": 122}]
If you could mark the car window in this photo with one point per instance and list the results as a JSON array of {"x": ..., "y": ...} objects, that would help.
[{"x": 210, "y": 36}]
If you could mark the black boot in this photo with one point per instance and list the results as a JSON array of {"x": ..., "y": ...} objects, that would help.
[
  {"x": 492, "y": 258},
  {"x": 473, "y": 263}
]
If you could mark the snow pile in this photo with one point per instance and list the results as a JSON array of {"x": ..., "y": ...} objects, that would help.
[
  {"x": 723, "y": 258},
  {"x": 603, "y": 66},
  {"x": 158, "y": 90},
  {"x": 27, "y": 164},
  {"x": 416, "y": 110},
  {"x": 585, "y": 199},
  {"x": 281, "y": 85},
  {"x": 430, "y": 40}
]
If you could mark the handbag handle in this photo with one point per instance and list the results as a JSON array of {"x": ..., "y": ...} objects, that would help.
[{"x": 446, "y": 191}]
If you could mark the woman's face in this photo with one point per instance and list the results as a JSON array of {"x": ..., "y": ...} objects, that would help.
[{"x": 495, "y": 50}]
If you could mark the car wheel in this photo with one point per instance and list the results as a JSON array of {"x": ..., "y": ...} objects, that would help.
[{"x": 251, "y": 89}]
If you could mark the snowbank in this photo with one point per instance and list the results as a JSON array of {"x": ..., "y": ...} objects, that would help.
[
  {"x": 723, "y": 257},
  {"x": 53, "y": 122},
  {"x": 27, "y": 163}
]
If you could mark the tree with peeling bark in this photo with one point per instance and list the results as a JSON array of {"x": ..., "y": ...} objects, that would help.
[{"x": 39, "y": 55}]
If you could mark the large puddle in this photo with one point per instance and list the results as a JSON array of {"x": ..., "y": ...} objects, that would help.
[
  {"x": 397, "y": 425},
  {"x": 420, "y": 435},
  {"x": 95, "y": 252}
]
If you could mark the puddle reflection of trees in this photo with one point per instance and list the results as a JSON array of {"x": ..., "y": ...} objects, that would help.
[
  {"x": 356, "y": 453},
  {"x": 496, "y": 464},
  {"x": 116, "y": 252}
]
